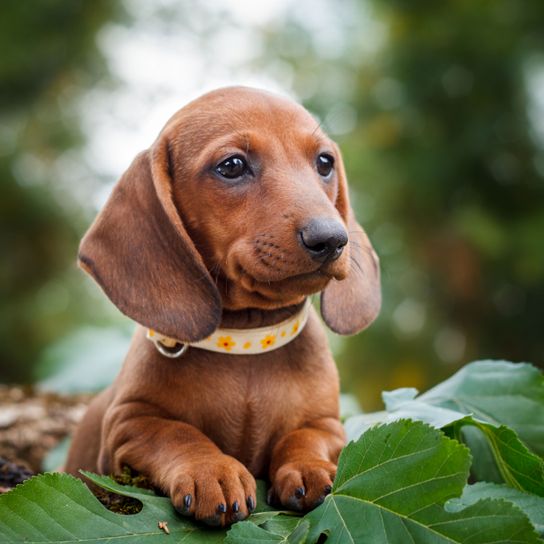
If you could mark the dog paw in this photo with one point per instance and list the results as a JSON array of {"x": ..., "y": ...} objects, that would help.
[
  {"x": 302, "y": 485},
  {"x": 217, "y": 491}
]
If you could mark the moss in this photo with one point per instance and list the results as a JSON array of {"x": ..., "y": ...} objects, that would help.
[
  {"x": 131, "y": 477},
  {"x": 118, "y": 503}
]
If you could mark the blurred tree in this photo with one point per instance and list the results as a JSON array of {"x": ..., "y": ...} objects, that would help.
[
  {"x": 446, "y": 167},
  {"x": 49, "y": 56}
]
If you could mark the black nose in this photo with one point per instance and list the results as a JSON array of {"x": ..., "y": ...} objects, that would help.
[{"x": 324, "y": 239}]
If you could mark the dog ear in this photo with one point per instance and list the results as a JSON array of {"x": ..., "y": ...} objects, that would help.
[
  {"x": 350, "y": 305},
  {"x": 140, "y": 254}
]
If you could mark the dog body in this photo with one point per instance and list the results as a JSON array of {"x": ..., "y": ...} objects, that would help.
[
  {"x": 258, "y": 400},
  {"x": 237, "y": 213}
]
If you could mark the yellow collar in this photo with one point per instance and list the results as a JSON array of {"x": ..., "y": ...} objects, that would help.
[{"x": 238, "y": 341}]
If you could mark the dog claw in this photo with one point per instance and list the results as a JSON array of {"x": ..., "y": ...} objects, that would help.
[
  {"x": 187, "y": 500},
  {"x": 222, "y": 508},
  {"x": 327, "y": 489},
  {"x": 250, "y": 504},
  {"x": 300, "y": 492},
  {"x": 235, "y": 506}
]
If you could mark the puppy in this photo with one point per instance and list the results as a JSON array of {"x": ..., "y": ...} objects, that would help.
[{"x": 212, "y": 241}]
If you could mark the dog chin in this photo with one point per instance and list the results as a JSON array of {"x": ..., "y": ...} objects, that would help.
[
  {"x": 286, "y": 290},
  {"x": 259, "y": 289}
]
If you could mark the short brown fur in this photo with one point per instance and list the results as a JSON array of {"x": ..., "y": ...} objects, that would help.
[{"x": 182, "y": 251}]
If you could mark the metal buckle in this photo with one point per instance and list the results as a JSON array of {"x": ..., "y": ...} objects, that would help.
[{"x": 163, "y": 350}]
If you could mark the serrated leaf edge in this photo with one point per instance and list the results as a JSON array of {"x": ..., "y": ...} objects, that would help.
[{"x": 415, "y": 422}]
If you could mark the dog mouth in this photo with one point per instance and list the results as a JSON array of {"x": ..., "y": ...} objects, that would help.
[
  {"x": 304, "y": 283},
  {"x": 257, "y": 278},
  {"x": 275, "y": 273}
]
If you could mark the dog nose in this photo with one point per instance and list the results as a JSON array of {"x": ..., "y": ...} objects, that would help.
[{"x": 324, "y": 239}]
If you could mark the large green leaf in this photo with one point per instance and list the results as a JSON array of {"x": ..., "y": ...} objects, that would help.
[
  {"x": 392, "y": 484},
  {"x": 532, "y": 506},
  {"x": 517, "y": 466},
  {"x": 499, "y": 454},
  {"x": 497, "y": 392},
  {"x": 60, "y": 508},
  {"x": 402, "y": 404},
  {"x": 57, "y": 507}
]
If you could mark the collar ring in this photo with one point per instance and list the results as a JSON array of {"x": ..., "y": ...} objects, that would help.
[{"x": 163, "y": 350}]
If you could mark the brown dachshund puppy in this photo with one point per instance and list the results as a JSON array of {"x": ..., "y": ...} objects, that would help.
[{"x": 236, "y": 214}]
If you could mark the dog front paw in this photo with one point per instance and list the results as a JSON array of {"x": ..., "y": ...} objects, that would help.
[
  {"x": 302, "y": 485},
  {"x": 217, "y": 490}
]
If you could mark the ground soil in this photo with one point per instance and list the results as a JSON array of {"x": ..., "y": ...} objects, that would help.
[{"x": 32, "y": 422}]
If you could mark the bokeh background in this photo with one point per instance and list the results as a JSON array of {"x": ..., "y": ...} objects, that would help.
[{"x": 438, "y": 108}]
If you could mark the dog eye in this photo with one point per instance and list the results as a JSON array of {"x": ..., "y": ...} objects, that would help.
[
  {"x": 324, "y": 164},
  {"x": 232, "y": 168}
]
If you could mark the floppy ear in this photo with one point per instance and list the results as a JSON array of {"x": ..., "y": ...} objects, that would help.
[
  {"x": 141, "y": 255},
  {"x": 350, "y": 305}
]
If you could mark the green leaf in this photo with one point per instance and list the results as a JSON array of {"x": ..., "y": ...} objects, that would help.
[
  {"x": 58, "y": 507},
  {"x": 290, "y": 531},
  {"x": 247, "y": 532},
  {"x": 483, "y": 468},
  {"x": 532, "y": 506},
  {"x": 105, "y": 482},
  {"x": 391, "y": 487},
  {"x": 300, "y": 534},
  {"x": 518, "y": 467},
  {"x": 394, "y": 399},
  {"x": 505, "y": 459},
  {"x": 499, "y": 454},
  {"x": 497, "y": 392}
]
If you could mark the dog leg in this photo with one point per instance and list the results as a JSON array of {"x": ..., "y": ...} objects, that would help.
[
  {"x": 304, "y": 464},
  {"x": 181, "y": 461}
]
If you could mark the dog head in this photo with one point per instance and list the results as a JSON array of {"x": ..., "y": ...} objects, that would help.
[{"x": 241, "y": 202}]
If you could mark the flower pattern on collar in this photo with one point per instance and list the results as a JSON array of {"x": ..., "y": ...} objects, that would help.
[{"x": 245, "y": 341}]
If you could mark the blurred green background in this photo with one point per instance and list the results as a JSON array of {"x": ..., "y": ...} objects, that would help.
[{"x": 438, "y": 108}]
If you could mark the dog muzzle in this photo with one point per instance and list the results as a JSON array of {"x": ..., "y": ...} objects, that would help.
[{"x": 238, "y": 341}]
